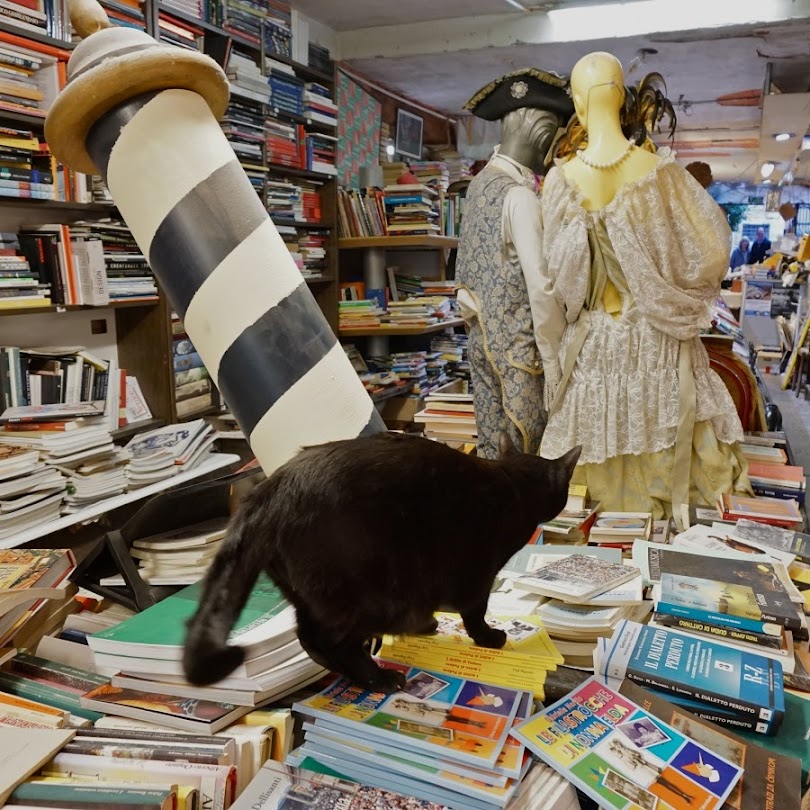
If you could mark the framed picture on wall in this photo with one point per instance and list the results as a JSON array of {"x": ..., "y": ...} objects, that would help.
[{"x": 409, "y": 134}]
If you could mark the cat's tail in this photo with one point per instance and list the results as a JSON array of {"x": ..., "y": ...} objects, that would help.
[{"x": 207, "y": 656}]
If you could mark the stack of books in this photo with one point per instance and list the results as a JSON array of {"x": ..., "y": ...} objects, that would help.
[
  {"x": 19, "y": 88},
  {"x": 449, "y": 416},
  {"x": 31, "y": 492},
  {"x": 320, "y": 153},
  {"x": 747, "y": 600},
  {"x": 521, "y": 663},
  {"x": 20, "y": 284},
  {"x": 420, "y": 369},
  {"x": 423, "y": 311},
  {"x": 194, "y": 394},
  {"x": 620, "y": 756},
  {"x": 442, "y": 738},
  {"x": 412, "y": 210},
  {"x": 143, "y": 655},
  {"x": 783, "y": 512},
  {"x": 777, "y": 481},
  {"x": 363, "y": 314},
  {"x": 433, "y": 173},
  {"x": 129, "y": 277},
  {"x": 312, "y": 246},
  {"x": 177, "y": 557},
  {"x": 168, "y": 451},
  {"x": 453, "y": 348},
  {"x": 620, "y": 529},
  {"x": 319, "y": 106},
  {"x": 281, "y": 139},
  {"x": 730, "y": 687},
  {"x": 28, "y": 579},
  {"x": 277, "y": 785},
  {"x": 22, "y": 172},
  {"x": 286, "y": 92},
  {"x": 246, "y": 78}
]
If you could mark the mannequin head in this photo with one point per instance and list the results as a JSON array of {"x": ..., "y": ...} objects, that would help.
[
  {"x": 597, "y": 84},
  {"x": 526, "y": 136}
]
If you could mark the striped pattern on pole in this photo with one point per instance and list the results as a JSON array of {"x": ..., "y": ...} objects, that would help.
[{"x": 229, "y": 275}]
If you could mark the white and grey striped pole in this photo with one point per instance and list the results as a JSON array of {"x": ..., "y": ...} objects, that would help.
[{"x": 144, "y": 116}]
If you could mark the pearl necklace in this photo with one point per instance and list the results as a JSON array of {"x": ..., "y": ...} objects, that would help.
[{"x": 609, "y": 164}]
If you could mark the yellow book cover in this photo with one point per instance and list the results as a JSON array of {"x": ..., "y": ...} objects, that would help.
[{"x": 525, "y": 636}]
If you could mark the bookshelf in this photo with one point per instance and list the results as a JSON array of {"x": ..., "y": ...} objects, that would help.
[
  {"x": 141, "y": 330},
  {"x": 398, "y": 243},
  {"x": 388, "y": 330}
]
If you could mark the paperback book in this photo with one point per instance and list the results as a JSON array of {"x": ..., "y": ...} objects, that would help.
[
  {"x": 461, "y": 720},
  {"x": 746, "y": 686},
  {"x": 624, "y": 757},
  {"x": 769, "y": 780}
]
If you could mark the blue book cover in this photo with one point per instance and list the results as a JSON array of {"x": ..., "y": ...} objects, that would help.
[
  {"x": 678, "y": 664},
  {"x": 711, "y": 617},
  {"x": 183, "y": 362}
]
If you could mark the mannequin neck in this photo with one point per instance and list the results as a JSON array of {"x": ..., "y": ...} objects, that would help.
[
  {"x": 520, "y": 151},
  {"x": 605, "y": 137}
]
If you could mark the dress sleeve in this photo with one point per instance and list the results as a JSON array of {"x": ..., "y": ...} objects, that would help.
[{"x": 523, "y": 226}]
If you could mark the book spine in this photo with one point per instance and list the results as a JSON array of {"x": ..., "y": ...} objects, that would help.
[
  {"x": 719, "y": 632},
  {"x": 739, "y": 708},
  {"x": 710, "y": 617},
  {"x": 767, "y": 729},
  {"x": 769, "y": 491},
  {"x": 41, "y": 693}
]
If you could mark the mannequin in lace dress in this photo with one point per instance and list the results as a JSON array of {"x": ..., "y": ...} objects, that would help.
[{"x": 636, "y": 250}]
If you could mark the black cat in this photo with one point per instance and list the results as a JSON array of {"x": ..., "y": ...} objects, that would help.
[{"x": 372, "y": 536}]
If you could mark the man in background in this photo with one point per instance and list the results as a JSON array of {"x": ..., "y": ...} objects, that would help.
[
  {"x": 503, "y": 285},
  {"x": 760, "y": 249}
]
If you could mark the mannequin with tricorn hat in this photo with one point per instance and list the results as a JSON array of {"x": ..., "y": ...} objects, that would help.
[{"x": 503, "y": 286}]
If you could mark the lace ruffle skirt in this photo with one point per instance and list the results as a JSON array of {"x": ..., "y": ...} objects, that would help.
[{"x": 623, "y": 395}]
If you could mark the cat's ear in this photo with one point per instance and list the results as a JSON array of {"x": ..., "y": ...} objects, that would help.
[
  {"x": 505, "y": 446},
  {"x": 570, "y": 459}
]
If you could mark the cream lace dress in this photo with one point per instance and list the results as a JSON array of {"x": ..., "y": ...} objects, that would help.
[{"x": 656, "y": 424}]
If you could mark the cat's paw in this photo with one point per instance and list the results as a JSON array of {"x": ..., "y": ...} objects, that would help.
[
  {"x": 490, "y": 638},
  {"x": 429, "y": 628},
  {"x": 387, "y": 681}
]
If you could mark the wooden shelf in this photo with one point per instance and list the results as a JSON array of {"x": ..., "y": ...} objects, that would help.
[
  {"x": 393, "y": 391},
  {"x": 324, "y": 279},
  {"x": 396, "y": 242},
  {"x": 134, "y": 428},
  {"x": 303, "y": 70},
  {"x": 276, "y": 168},
  {"x": 36, "y": 36},
  {"x": 28, "y": 119},
  {"x": 211, "y": 410},
  {"x": 56, "y": 205},
  {"x": 401, "y": 331},
  {"x": 216, "y": 461},
  {"x": 315, "y": 226},
  {"x": 147, "y": 302}
]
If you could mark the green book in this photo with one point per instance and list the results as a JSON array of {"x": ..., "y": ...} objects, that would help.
[
  {"x": 266, "y": 623},
  {"x": 793, "y": 734},
  {"x": 46, "y": 682},
  {"x": 82, "y": 796}
]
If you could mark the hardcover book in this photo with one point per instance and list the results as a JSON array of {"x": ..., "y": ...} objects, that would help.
[
  {"x": 624, "y": 757},
  {"x": 747, "y": 685}
]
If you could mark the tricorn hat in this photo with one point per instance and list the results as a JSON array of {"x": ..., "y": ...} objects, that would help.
[{"x": 529, "y": 87}]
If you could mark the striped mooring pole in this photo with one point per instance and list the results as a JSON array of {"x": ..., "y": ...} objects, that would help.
[{"x": 145, "y": 117}]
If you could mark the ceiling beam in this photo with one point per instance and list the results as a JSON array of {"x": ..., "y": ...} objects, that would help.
[{"x": 620, "y": 20}]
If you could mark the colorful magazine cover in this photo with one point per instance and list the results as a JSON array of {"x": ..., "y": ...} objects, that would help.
[
  {"x": 461, "y": 720},
  {"x": 624, "y": 757},
  {"x": 282, "y": 787}
]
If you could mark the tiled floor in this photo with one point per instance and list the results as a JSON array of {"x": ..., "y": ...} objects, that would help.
[{"x": 795, "y": 419}]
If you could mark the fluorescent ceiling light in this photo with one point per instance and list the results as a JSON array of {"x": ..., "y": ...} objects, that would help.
[
  {"x": 767, "y": 169},
  {"x": 389, "y": 150},
  {"x": 783, "y": 136},
  {"x": 576, "y": 23}
]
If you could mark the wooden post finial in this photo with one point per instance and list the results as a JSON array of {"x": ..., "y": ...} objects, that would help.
[{"x": 87, "y": 17}]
